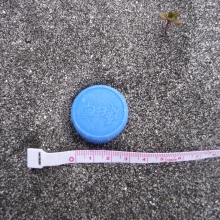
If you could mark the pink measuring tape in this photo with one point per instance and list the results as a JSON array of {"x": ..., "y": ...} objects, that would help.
[{"x": 37, "y": 158}]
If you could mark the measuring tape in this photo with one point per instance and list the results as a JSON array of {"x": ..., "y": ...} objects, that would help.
[{"x": 37, "y": 158}]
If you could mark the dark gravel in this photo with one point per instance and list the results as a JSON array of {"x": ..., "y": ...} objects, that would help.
[{"x": 51, "y": 50}]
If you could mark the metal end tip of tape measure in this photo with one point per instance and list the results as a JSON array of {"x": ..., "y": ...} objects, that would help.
[{"x": 37, "y": 158}]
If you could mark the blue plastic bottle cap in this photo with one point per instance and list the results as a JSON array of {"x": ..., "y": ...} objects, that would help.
[{"x": 99, "y": 113}]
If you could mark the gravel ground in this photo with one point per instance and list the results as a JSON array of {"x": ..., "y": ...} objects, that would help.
[{"x": 51, "y": 50}]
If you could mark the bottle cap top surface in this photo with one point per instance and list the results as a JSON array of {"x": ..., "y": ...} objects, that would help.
[{"x": 99, "y": 113}]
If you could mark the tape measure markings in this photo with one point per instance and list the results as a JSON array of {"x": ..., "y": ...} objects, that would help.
[{"x": 108, "y": 156}]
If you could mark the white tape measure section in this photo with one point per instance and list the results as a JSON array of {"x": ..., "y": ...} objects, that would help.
[{"x": 37, "y": 158}]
